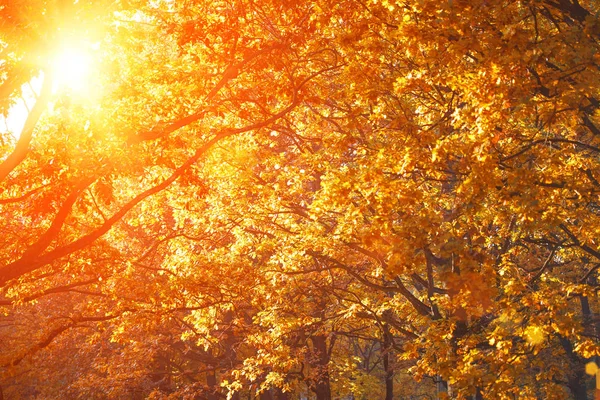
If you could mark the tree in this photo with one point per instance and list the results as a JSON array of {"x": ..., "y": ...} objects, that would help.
[{"x": 258, "y": 192}]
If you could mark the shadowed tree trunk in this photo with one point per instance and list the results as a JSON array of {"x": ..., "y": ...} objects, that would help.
[
  {"x": 387, "y": 365},
  {"x": 478, "y": 395},
  {"x": 321, "y": 365},
  {"x": 442, "y": 387},
  {"x": 211, "y": 382},
  {"x": 279, "y": 394},
  {"x": 576, "y": 379}
]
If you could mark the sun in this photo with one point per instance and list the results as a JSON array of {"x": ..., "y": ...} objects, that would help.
[{"x": 71, "y": 69}]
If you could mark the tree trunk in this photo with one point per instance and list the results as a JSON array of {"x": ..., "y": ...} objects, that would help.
[
  {"x": 321, "y": 366},
  {"x": 588, "y": 321},
  {"x": 211, "y": 382},
  {"x": 576, "y": 380},
  {"x": 279, "y": 394},
  {"x": 388, "y": 368},
  {"x": 441, "y": 386}
]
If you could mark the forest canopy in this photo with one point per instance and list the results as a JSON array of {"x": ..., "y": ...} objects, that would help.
[{"x": 350, "y": 199}]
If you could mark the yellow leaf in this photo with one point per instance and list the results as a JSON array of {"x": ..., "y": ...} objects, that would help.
[
  {"x": 591, "y": 368},
  {"x": 535, "y": 335}
]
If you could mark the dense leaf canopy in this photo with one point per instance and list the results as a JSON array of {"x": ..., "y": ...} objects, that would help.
[{"x": 316, "y": 199}]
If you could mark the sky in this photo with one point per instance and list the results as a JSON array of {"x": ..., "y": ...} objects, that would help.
[{"x": 17, "y": 114}]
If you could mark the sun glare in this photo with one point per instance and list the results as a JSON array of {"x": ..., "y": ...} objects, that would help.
[{"x": 72, "y": 69}]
